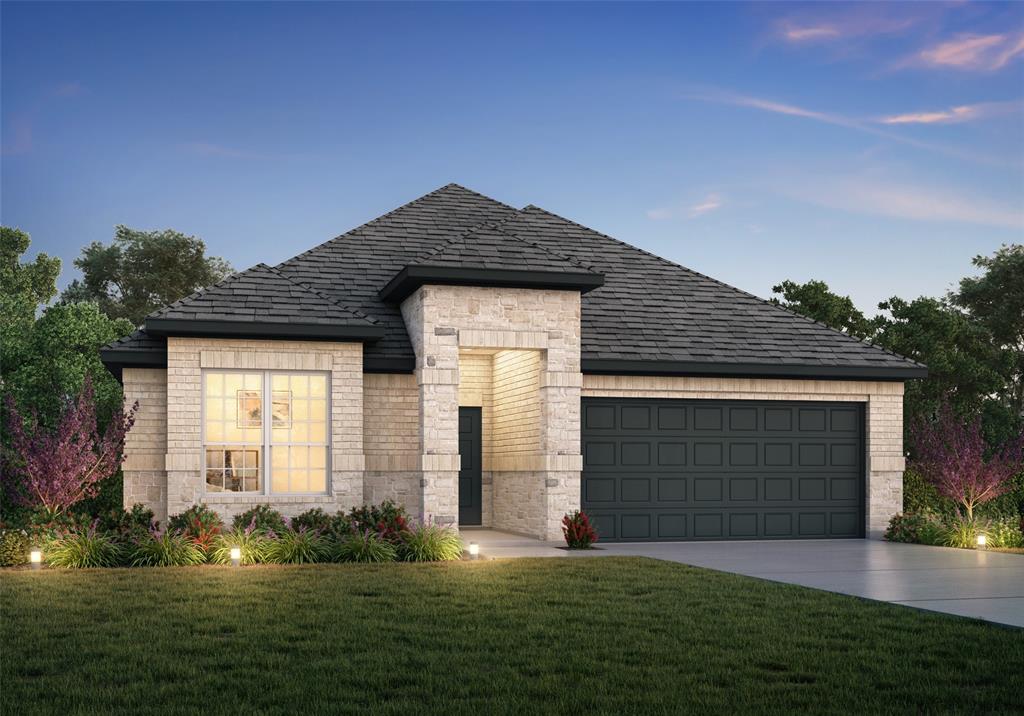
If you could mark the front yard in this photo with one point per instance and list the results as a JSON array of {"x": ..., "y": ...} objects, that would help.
[{"x": 611, "y": 635}]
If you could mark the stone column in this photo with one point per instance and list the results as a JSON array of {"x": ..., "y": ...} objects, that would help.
[
  {"x": 437, "y": 375},
  {"x": 884, "y": 434}
]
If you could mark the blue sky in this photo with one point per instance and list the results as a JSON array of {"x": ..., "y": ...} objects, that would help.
[{"x": 875, "y": 146}]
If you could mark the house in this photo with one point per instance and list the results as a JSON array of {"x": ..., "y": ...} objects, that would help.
[{"x": 487, "y": 365}]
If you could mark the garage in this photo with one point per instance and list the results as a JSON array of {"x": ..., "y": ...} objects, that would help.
[{"x": 723, "y": 470}]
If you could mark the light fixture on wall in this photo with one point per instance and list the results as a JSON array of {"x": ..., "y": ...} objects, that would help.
[
  {"x": 474, "y": 550},
  {"x": 35, "y": 557},
  {"x": 982, "y": 541},
  {"x": 236, "y": 556}
]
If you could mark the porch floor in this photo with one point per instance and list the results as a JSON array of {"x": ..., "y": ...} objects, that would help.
[{"x": 495, "y": 544}]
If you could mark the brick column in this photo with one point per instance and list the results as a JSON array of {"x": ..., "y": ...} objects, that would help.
[
  {"x": 884, "y": 432},
  {"x": 560, "y": 384}
]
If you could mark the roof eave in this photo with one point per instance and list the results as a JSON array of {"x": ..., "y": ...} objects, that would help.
[
  {"x": 252, "y": 329},
  {"x": 411, "y": 278},
  {"x": 752, "y": 370}
]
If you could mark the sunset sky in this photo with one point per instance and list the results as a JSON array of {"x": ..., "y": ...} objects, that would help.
[{"x": 876, "y": 146}]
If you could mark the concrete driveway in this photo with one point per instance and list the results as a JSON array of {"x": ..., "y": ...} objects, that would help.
[{"x": 984, "y": 585}]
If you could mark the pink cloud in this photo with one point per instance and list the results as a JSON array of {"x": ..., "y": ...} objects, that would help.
[
  {"x": 811, "y": 33},
  {"x": 974, "y": 52},
  {"x": 955, "y": 115}
]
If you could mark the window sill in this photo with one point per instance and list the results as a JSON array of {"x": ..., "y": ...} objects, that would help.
[{"x": 244, "y": 498}]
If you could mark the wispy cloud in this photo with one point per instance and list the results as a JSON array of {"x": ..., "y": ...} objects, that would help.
[
  {"x": 69, "y": 89},
  {"x": 809, "y": 33},
  {"x": 19, "y": 131},
  {"x": 881, "y": 197},
  {"x": 955, "y": 115},
  {"x": 709, "y": 203},
  {"x": 839, "y": 120},
  {"x": 980, "y": 53}
]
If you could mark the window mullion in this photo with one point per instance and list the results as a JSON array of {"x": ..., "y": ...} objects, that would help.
[{"x": 267, "y": 419}]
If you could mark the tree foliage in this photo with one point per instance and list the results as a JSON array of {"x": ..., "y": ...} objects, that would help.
[
  {"x": 951, "y": 454},
  {"x": 24, "y": 287},
  {"x": 141, "y": 271},
  {"x": 971, "y": 340},
  {"x": 815, "y": 300},
  {"x": 56, "y": 469}
]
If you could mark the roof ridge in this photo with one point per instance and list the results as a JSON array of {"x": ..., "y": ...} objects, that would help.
[
  {"x": 384, "y": 216},
  {"x": 318, "y": 293},
  {"x": 726, "y": 285},
  {"x": 571, "y": 259}
]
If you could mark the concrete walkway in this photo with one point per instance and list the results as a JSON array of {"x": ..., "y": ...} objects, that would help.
[{"x": 979, "y": 584}]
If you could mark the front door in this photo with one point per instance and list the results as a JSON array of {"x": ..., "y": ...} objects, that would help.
[{"x": 470, "y": 452}]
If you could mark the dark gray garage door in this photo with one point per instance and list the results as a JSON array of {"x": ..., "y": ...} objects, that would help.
[{"x": 713, "y": 470}]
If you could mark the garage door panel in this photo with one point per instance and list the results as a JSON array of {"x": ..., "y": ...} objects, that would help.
[{"x": 673, "y": 469}]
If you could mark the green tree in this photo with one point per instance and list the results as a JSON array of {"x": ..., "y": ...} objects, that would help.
[
  {"x": 996, "y": 300},
  {"x": 815, "y": 300},
  {"x": 24, "y": 287},
  {"x": 141, "y": 271}
]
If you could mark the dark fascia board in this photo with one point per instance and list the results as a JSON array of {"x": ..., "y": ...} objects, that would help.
[
  {"x": 389, "y": 365},
  {"x": 412, "y": 277},
  {"x": 751, "y": 370},
  {"x": 252, "y": 329}
]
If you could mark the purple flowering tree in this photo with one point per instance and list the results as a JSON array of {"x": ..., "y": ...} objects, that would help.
[
  {"x": 56, "y": 469},
  {"x": 951, "y": 454}
]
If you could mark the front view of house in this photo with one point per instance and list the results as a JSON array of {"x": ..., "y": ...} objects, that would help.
[{"x": 487, "y": 365}]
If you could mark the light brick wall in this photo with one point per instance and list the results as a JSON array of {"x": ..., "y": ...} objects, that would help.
[
  {"x": 883, "y": 409},
  {"x": 516, "y": 426},
  {"x": 145, "y": 446},
  {"x": 391, "y": 435},
  {"x": 186, "y": 359}
]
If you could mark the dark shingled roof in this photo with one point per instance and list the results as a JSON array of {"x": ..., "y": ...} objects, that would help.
[{"x": 649, "y": 316}]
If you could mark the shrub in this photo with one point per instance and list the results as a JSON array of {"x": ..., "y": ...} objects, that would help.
[
  {"x": 1005, "y": 532},
  {"x": 199, "y": 524},
  {"x": 905, "y": 527},
  {"x": 577, "y": 530},
  {"x": 84, "y": 548},
  {"x": 252, "y": 542},
  {"x": 314, "y": 520},
  {"x": 387, "y": 519},
  {"x": 14, "y": 547},
  {"x": 430, "y": 543},
  {"x": 301, "y": 546},
  {"x": 262, "y": 518},
  {"x": 963, "y": 533},
  {"x": 365, "y": 546},
  {"x": 127, "y": 524},
  {"x": 166, "y": 549}
]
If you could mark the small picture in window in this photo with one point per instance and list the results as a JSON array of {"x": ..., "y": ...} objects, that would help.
[
  {"x": 281, "y": 408},
  {"x": 250, "y": 409}
]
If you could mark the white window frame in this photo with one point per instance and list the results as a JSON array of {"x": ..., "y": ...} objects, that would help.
[{"x": 266, "y": 446}]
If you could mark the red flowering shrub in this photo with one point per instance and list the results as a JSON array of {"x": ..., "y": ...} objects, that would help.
[
  {"x": 387, "y": 519},
  {"x": 578, "y": 532}
]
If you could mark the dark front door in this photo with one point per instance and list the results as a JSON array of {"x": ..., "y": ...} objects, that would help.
[
  {"x": 723, "y": 470},
  {"x": 470, "y": 452}
]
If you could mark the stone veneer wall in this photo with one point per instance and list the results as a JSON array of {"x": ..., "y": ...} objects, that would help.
[
  {"x": 545, "y": 482},
  {"x": 884, "y": 414},
  {"x": 187, "y": 357},
  {"x": 145, "y": 446}
]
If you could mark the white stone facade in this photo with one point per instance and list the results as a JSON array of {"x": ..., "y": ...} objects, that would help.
[{"x": 515, "y": 353}]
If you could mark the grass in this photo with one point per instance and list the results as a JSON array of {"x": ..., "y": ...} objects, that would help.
[{"x": 609, "y": 635}]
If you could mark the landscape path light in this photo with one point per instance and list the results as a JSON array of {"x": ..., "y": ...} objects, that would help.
[
  {"x": 236, "y": 556},
  {"x": 35, "y": 557},
  {"x": 982, "y": 541},
  {"x": 474, "y": 550}
]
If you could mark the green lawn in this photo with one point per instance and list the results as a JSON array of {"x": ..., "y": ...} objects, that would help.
[{"x": 611, "y": 635}]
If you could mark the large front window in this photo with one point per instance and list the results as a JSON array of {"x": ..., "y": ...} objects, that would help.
[{"x": 255, "y": 414}]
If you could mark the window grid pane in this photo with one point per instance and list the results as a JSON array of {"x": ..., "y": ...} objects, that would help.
[
  {"x": 234, "y": 405},
  {"x": 299, "y": 446}
]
